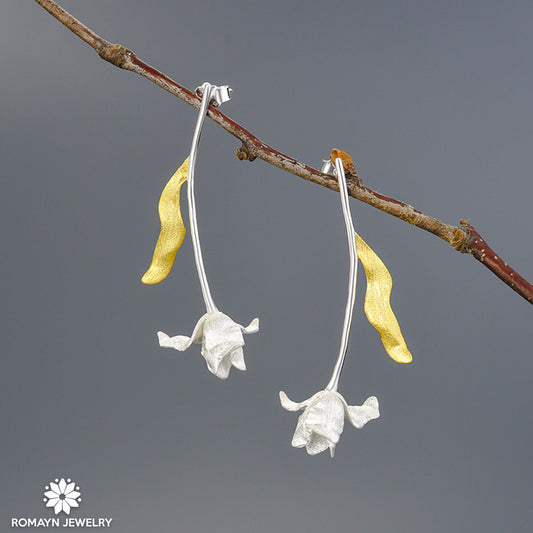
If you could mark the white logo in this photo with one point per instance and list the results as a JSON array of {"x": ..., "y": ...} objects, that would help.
[{"x": 62, "y": 495}]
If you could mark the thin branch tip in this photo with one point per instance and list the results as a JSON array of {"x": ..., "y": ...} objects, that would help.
[{"x": 488, "y": 257}]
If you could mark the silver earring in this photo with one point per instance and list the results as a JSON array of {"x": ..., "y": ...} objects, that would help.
[{"x": 221, "y": 338}]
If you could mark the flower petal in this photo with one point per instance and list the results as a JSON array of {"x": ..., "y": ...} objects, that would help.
[
  {"x": 252, "y": 327},
  {"x": 221, "y": 334},
  {"x": 198, "y": 331},
  {"x": 302, "y": 434},
  {"x": 52, "y": 502},
  {"x": 58, "y": 507},
  {"x": 360, "y": 415},
  {"x": 222, "y": 368},
  {"x": 325, "y": 415},
  {"x": 73, "y": 495},
  {"x": 289, "y": 404},
  {"x": 221, "y": 337},
  {"x": 66, "y": 507},
  {"x": 317, "y": 444},
  {"x": 218, "y": 353},
  {"x": 55, "y": 488},
  {"x": 62, "y": 485},
  {"x": 237, "y": 359},
  {"x": 72, "y": 502},
  {"x": 70, "y": 487},
  {"x": 51, "y": 494},
  {"x": 179, "y": 342}
]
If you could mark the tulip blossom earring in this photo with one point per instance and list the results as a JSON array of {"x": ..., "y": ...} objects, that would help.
[
  {"x": 320, "y": 426},
  {"x": 221, "y": 338}
]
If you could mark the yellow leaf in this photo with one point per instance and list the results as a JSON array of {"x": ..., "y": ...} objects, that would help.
[
  {"x": 172, "y": 228},
  {"x": 377, "y": 303}
]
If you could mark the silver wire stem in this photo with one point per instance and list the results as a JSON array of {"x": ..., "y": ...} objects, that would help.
[
  {"x": 352, "y": 278},
  {"x": 219, "y": 95}
]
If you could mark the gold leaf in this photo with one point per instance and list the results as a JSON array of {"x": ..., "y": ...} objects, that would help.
[
  {"x": 377, "y": 303},
  {"x": 172, "y": 228}
]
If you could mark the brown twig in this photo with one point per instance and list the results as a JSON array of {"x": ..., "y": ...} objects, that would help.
[
  {"x": 484, "y": 253},
  {"x": 463, "y": 238}
]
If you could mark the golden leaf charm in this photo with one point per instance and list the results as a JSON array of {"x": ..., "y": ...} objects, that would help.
[
  {"x": 377, "y": 303},
  {"x": 172, "y": 228}
]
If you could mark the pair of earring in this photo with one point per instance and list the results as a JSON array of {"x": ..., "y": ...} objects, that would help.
[{"x": 320, "y": 425}]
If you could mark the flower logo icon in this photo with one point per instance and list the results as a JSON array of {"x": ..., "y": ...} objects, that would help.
[{"x": 62, "y": 495}]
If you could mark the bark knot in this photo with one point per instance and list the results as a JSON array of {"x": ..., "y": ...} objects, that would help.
[
  {"x": 114, "y": 54},
  {"x": 462, "y": 238},
  {"x": 243, "y": 153}
]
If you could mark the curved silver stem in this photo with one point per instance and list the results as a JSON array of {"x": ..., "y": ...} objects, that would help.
[
  {"x": 206, "y": 293},
  {"x": 352, "y": 278}
]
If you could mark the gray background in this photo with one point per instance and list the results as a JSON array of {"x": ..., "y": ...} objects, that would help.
[{"x": 432, "y": 99}]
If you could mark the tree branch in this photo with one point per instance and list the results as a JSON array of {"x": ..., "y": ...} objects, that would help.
[{"x": 463, "y": 238}]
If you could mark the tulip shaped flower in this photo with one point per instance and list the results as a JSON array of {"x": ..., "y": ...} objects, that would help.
[
  {"x": 221, "y": 339},
  {"x": 320, "y": 425}
]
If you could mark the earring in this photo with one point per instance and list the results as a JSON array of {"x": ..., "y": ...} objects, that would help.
[
  {"x": 321, "y": 424},
  {"x": 221, "y": 338}
]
